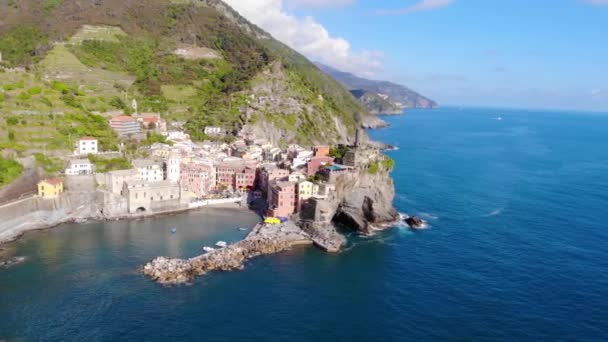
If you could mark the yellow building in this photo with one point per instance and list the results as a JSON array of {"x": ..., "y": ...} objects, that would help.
[
  {"x": 305, "y": 190},
  {"x": 50, "y": 188}
]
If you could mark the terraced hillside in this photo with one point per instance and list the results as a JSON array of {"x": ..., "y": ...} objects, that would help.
[{"x": 197, "y": 61}]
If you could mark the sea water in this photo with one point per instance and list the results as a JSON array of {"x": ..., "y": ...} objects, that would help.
[{"x": 516, "y": 249}]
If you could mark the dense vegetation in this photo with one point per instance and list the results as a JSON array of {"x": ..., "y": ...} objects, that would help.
[
  {"x": 9, "y": 171},
  {"x": 22, "y": 45},
  {"x": 387, "y": 164},
  {"x": 133, "y": 59},
  {"x": 109, "y": 164},
  {"x": 49, "y": 164}
]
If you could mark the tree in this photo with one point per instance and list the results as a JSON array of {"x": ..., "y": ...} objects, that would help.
[{"x": 11, "y": 136}]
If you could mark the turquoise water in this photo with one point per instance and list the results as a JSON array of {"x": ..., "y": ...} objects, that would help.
[{"x": 516, "y": 250}]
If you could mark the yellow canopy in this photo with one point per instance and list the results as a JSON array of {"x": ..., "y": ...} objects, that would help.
[{"x": 272, "y": 220}]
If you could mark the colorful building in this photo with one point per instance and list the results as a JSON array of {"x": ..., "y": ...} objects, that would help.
[
  {"x": 305, "y": 191},
  {"x": 198, "y": 178},
  {"x": 50, "y": 188},
  {"x": 316, "y": 163},
  {"x": 267, "y": 174},
  {"x": 125, "y": 125},
  {"x": 321, "y": 151},
  {"x": 245, "y": 179},
  {"x": 283, "y": 203}
]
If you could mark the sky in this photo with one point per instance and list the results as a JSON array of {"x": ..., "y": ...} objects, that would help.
[{"x": 549, "y": 54}]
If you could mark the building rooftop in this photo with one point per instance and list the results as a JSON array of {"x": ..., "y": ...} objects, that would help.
[
  {"x": 80, "y": 161},
  {"x": 88, "y": 138},
  {"x": 123, "y": 118},
  {"x": 129, "y": 172},
  {"x": 53, "y": 181},
  {"x": 140, "y": 163},
  {"x": 145, "y": 184}
]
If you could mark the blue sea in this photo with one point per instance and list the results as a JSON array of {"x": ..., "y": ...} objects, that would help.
[{"x": 516, "y": 249}]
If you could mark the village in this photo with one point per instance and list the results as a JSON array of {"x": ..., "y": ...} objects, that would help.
[{"x": 180, "y": 174}]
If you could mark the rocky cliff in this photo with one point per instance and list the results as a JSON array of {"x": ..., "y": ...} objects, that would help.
[
  {"x": 365, "y": 201},
  {"x": 361, "y": 202}
]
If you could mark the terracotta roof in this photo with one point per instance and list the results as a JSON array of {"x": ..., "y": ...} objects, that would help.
[
  {"x": 152, "y": 119},
  {"x": 88, "y": 138},
  {"x": 123, "y": 118},
  {"x": 53, "y": 181}
]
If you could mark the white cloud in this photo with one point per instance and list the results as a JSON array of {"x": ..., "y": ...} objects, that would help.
[
  {"x": 595, "y": 92},
  {"x": 422, "y": 5},
  {"x": 308, "y": 36},
  {"x": 319, "y": 3}
]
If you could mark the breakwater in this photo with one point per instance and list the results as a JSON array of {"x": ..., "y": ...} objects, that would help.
[{"x": 263, "y": 239}]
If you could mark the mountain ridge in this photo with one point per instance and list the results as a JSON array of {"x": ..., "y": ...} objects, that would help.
[{"x": 379, "y": 97}]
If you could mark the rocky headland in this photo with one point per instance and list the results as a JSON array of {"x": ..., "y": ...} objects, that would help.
[
  {"x": 362, "y": 202},
  {"x": 263, "y": 239}
]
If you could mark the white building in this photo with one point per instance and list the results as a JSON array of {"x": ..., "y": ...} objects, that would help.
[
  {"x": 87, "y": 145},
  {"x": 149, "y": 170},
  {"x": 296, "y": 177},
  {"x": 79, "y": 167},
  {"x": 176, "y": 135},
  {"x": 143, "y": 196},
  {"x": 212, "y": 130}
]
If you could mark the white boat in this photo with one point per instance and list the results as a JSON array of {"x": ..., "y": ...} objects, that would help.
[
  {"x": 243, "y": 229},
  {"x": 221, "y": 244},
  {"x": 208, "y": 249}
]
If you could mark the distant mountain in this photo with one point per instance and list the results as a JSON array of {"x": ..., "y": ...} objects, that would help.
[{"x": 379, "y": 97}]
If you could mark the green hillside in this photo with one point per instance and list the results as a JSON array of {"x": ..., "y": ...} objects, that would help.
[{"x": 196, "y": 61}]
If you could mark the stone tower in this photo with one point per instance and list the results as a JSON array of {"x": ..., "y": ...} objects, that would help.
[
  {"x": 358, "y": 137},
  {"x": 173, "y": 167}
]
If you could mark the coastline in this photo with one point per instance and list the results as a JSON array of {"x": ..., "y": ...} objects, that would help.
[{"x": 11, "y": 235}]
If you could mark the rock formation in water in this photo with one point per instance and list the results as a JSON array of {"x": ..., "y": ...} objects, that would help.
[{"x": 415, "y": 222}]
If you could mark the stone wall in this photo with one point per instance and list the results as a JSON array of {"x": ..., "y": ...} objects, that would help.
[
  {"x": 36, "y": 213},
  {"x": 80, "y": 183}
]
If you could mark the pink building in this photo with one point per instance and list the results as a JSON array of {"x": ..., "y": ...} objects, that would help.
[
  {"x": 245, "y": 178},
  {"x": 267, "y": 176},
  {"x": 315, "y": 164},
  {"x": 197, "y": 178},
  {"x": 283, "y": 203},
  {"x": 226, "y": 175},
  {"x": 236, "y": 176}
]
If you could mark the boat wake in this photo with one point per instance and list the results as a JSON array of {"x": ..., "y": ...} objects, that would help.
[
  {"x": 428, "y": 216},
  {"x": 494, "y": 213}
]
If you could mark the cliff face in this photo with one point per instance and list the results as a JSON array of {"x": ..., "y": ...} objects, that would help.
[
  {"x": 365, "y": 201},
  {"x": 362, "y": 202}
]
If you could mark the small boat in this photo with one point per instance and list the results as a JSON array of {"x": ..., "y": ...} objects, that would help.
[
  {"x": 243, "y": 229},
  {"x": 208, "y": 249},
  {"x": 173, "y": 230},
  {"x": 221, "y": 244}
]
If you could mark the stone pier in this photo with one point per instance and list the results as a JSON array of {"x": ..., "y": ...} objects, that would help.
[{"x": 262, "y": 240}]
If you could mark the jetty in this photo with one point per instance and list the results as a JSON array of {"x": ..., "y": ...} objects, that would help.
[{"x": 262, "y": 240}]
